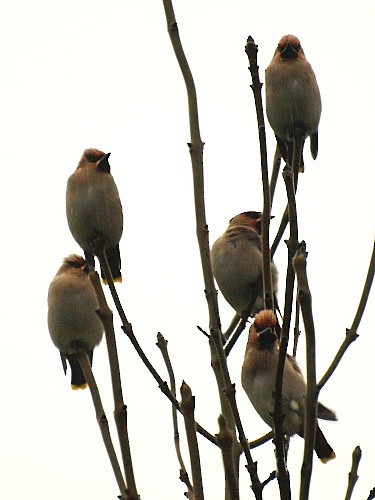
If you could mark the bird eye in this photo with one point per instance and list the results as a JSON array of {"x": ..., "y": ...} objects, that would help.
[
  {"x": 93, "y": 155},
  {"x": 76, "y": 265},
  {"x": 91, "y": 158},
  {"x": 76, "y": 262}
]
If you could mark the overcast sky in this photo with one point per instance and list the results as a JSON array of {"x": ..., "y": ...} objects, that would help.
[{"x": 103, "y": 74}]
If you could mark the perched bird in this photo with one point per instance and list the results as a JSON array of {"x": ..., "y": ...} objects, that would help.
[
  {"x": 236, "y": 259},
  {"x": 259, "y": 378},
  {"x": 292, "y": 98},
  {"x": 72, "y": 321},
  {"x": 94, "y": 210}
]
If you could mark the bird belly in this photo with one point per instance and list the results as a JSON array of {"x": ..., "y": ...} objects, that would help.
[
  {"x": 72, "y": 320},
  {"x": 293, "y": 101},
  {"x": 237, "y": 269},
  {"x": 94, "y": 213}
]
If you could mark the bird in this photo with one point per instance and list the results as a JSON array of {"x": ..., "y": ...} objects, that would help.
[
  {"x": 292, "y": 98},
  {"x": 72, "y": 321},
  {"x": 236, "y": 259},
  {"x": 258, "y": 379},
  {"x": 94, "y": 210}
]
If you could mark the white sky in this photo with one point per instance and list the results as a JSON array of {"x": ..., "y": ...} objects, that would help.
[{"x": 103, "y": 74}]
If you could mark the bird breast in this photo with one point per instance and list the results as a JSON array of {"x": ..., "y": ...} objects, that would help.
[
  {"x": 94, "y": 208},
  {"x": 292, "y": 97},
  {"x": 71, "y": 313}
]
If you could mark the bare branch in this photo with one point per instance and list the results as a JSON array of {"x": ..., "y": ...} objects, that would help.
[
  {"x": 304, "y": 299},
  {"x": 233, "y": 339},
  {"x": 283, "y": 474},
  {"x": 120, "y": 411},
  {"x": 102, "y": 421},
  {"x": 297, "y": 156},
  {"x": 196, "y": 153},
  {"x": 251, "y": 465},
  {"x": 242, "y": 323},
  {"x": 351, "y": 334},
  {"x": 252, "y": 50},
  {"x": 232, "y": 327},
  {"x": 162, "y": 343},
  {"x": 128, "y": 330},
  {"x": 225, "y": 440},
  {"x": 283, "y": 223},
  {"x": 187, "y": 408},
  {"x": 297, "y": 331},
  {"x": 275, "y": 172},
  {"x": 261, "y": 440},
  {"x": 270, "y": 478},
  {"x": 353, "y": 474}
]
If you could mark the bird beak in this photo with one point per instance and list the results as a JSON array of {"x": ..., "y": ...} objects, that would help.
[
  {"x": 267, "y": 337},
  {"x": 289, "y": 52},
  {"x": 103, "y": 164}
]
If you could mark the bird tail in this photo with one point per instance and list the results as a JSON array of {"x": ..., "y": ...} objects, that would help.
[
  {"x": 78, "y": 380},
  {"x": 114, "y": 262},
  {"x": 325, "y": 413},
  {"x": 286, "y": 151},
  {"x": 322, "y": 448}
]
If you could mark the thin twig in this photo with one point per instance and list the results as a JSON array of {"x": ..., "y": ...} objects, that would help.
[
  {"x": 283, "y": 223},
  {"x": 232, "y": 327},
  {"x": 283, "y": 474},
  {"x": 261, "y": 440},
  {"x": 252, "y": 50},
  {"x": 353, "y": 474},
  {"x": 351, "y": 334},
  {"x": 162, "y": 343},
  {"x": 196, "y": 154},
  {"x": 128, "y": 330},
  {"x": 225, "y": 440},
  {"x": 120, "y": 411},
  {"x": 242, "y": 324},
  {"x": 275, "y": 172},
  {"x": 187, "y": 407},
  {"x": 304, "y": 299},
  {"x": 296, "y": 162},
  {"x": 221, "y": 381},
  {"x": 102, "y": 421},
  {"x": 270, "y": 478},
  {"x": 251, "y": 466},
  {"x": 233, "y": 339},
  {"x": 297, "y": 331}
]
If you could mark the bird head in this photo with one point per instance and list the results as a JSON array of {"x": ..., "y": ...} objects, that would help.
[
  {"x": 251, "y": 219},
  {"x": 96, "y": 157},
  {"x": 264, "y": 326},
  {"x": 75, "y": 261},
  {"x": 72, "y": 264},
  {"x": 289, "y": 47}
]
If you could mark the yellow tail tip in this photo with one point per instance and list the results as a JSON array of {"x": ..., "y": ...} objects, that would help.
[
  {"x": 79, "y": 387},
  {"x": 327, "y": 459},
  {"x": 115, "y": 280}
]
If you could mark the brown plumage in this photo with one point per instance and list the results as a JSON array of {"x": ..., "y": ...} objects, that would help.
[
  {"x": 259, "y": 378},
  {"x": 236, "y": 259},
  {"x": 292, "y": 97},
  {"x": 72, "y": 321},
  {"x": 93, "y": 208}
]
